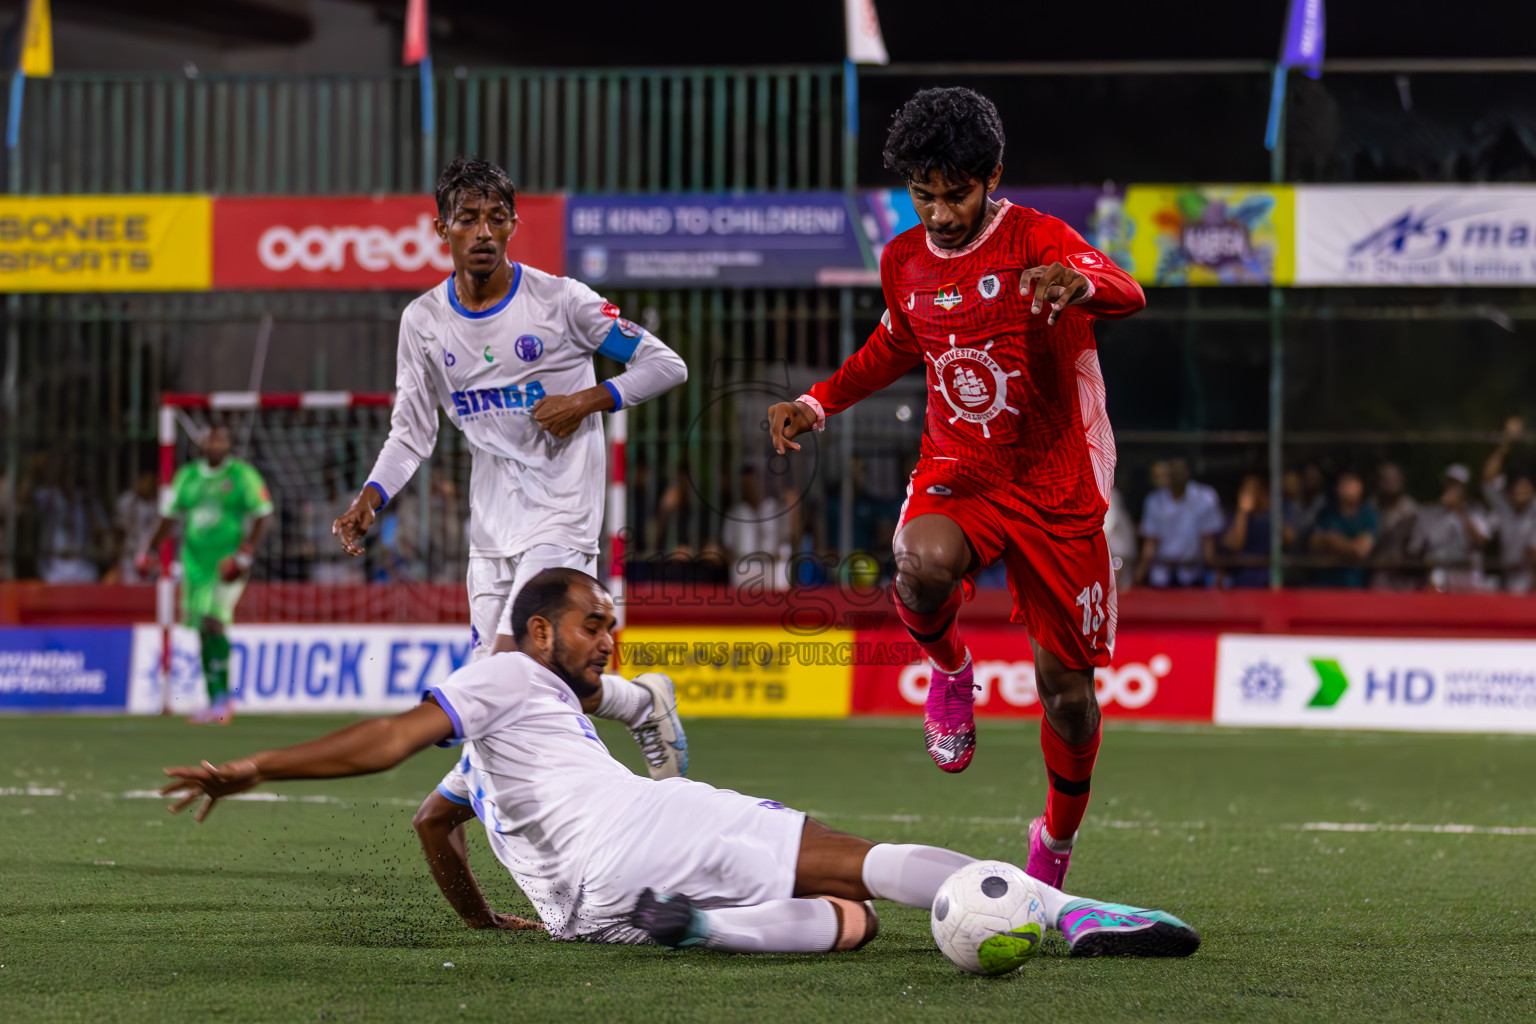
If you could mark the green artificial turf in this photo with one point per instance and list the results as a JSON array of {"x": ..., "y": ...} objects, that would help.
[{"x": 322, "y": 909}]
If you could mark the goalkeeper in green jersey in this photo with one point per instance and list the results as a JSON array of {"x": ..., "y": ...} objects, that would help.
[{"x": 227, "y": 509}]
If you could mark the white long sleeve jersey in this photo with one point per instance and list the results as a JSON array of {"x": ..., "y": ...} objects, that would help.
[{"x": 487, "y": 371}]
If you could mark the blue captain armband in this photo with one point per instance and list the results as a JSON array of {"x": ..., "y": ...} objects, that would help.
[{"x": 620, "y": 344}]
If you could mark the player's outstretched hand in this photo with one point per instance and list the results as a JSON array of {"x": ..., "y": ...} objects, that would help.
[
  {"x": 508, "y": 923},
  {"x": 209, "y": 783},
  {"x": 1057, "y": 285},
  {"x": 785, "y": 421},
  {"x": 354, "y": 522},
  {"x": 562, "y": 414}
]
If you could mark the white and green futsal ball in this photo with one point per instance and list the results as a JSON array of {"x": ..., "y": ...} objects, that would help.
[{"x": 988, "y": 917}]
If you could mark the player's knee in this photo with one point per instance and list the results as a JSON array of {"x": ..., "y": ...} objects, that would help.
[
  {"x": 1072, "y": 700},
  {"x": 924, "y": 586}
]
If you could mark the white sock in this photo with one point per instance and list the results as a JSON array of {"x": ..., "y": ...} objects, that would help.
[
  {"x": 910, "y": 874},
  {"x": 623, "y": 701},
  {"x": 1054, "y": 900},
  {"x": 778, "y": 926}
]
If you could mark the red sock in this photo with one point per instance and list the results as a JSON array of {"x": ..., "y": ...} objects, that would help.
[
  {"x": 937, "y": 633},
  {"x": 1069, "y": 768}
]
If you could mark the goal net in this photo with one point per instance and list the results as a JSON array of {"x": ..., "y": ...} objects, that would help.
[{"x": 314, "y": 450}]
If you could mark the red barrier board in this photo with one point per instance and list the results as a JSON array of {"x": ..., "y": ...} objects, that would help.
[
  {"x": 1161, "y": 675},
  {"x": 359, "y": 242}
]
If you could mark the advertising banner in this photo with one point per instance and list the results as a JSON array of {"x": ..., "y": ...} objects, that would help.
[
  {"x": 745, "y": 671},
  {"x": 683, "y": 241},
  {"x": 1153, "y": 675},
  {"x": 315, "y": 668},
  {"x": 1415, "y": 235},
  {"x": 1211, "y": 234},
  {"x": 65, "y": 668},
  {"x": 1352, "y": 683},
  {"x": 109, "y": 243},
  {"x": 347, "y": 242}
]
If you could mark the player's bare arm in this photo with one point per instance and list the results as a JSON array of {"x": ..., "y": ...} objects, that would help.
[
  {"x": 356, "y": 521},
  {"x": 439, "y": 825},
  {"x": 788, "y": 420},
  {"x": 562, "y": 414},
  {"x": 1056, "y": 286},
  {"x": 360, "y": 749}
]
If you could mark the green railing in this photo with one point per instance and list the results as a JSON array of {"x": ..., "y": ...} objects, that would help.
[{"x": 609, "y": 131}]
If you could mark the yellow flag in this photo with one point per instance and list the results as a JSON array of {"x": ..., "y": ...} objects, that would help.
[{"x": 37, "y": 41}]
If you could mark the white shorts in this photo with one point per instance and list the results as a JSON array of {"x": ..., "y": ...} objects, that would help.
[
  {"x": 718, "y": 847},
  {"x": 494, "y": 582}
]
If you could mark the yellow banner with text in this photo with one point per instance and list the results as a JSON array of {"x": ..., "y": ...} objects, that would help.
[
  {"x": 742, "y": 671},
  {"x": 114, "y": 243}
]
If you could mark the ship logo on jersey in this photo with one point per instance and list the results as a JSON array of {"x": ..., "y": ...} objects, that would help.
[
  {"x": 989, "y": 287},
  {"x": 949, "y": 297},
  {"x": 973, "y": 384}
]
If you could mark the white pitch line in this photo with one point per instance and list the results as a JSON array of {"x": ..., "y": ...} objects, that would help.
[{"x": 1459, "y": 830}]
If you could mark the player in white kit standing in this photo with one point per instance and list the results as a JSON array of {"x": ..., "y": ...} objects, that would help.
[{"x": 506, "y": 351}]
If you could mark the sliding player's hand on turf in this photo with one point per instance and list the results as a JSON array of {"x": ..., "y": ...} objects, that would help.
[
  {"x": 1057, "y": 286},
  {"x": 507, "y": 923},
  {"x": 354, "y": 522},
  {"x": 562, "y": 414},
  {"x": 210, "y": 784},
  {"x": 785, "y": 421}
]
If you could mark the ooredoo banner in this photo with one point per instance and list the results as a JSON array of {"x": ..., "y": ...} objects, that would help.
[
  {"x": 67, "y": 668},
  {"x": 1415, "y": 235},
  {"x": 108, "y": 243},
  {"x": 1152, "y": 675},
  {"x": 290, "y": 667},
  {"x": 1322, "y": 682},
  {"x": 336, "y": 242}
]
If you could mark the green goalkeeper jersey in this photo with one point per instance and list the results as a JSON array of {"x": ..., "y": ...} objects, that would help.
[{"x": 216, "y": 505}]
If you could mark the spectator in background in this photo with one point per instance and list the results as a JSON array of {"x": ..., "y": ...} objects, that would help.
[
  {"x": 1313, "y": 497},
  {"x": 1511, "y": 500},
  {"x": 1120, "y": 532},
  {"x": 1179, "y": 524},
  {"x": 756, "y": 536},
  {"x": 1246, "y": 540},
  {"x": 1345, "y": 534},
  {"x": 1396, "y": 513},
  {"x": 73, "y": 530},
  {"x": 134, "y": 518},
  {"x": 1449, "y": 535}
]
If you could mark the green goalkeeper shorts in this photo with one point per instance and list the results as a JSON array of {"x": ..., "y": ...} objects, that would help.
[{"x": 210, "y": 599}]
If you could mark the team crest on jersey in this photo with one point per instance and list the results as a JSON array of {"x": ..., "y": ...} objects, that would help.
[
  {"x": 949, "y": 297},
  {"x": 529, "y": 347},
  {"x": 973, "y": 384},
  {"x": 989, "y": 287}
]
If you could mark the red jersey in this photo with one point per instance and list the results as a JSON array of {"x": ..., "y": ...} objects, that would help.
[{"x": 1014, "y": 404}]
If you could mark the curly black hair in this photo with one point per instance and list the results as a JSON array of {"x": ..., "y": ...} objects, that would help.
[
  {"x": 473, "y": 176},
  {"x": 953, "y": 131}
]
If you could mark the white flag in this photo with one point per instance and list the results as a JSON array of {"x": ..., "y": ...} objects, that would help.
[{"x": 865, "y": 44}]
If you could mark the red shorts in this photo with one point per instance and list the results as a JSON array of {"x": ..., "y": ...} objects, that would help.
[{"x": 1063, "y": 587}]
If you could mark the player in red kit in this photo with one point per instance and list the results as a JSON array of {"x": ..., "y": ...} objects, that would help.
[{"x": 997, "y": 303}]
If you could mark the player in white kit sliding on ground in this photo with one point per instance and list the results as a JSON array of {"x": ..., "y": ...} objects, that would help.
[
  {"x": 593, "y": 844},
  {"x": 506, "y": 351}
]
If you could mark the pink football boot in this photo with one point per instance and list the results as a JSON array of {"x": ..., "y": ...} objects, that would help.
[{"x": 949, "y": 722}]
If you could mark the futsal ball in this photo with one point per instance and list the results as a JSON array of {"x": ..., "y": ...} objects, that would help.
[{"x": 988, "y": 918}]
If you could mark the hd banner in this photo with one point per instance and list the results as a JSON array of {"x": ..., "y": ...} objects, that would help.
[
  {"x": 1317, "y": 682},
  {"x": 687, "y": 240},
  {"x": 359, "y": 242},
  {"x": 64, "y": 668},
  {"x": 1210, "y": 234},
  {"x": 1471, "y": 235},
  {"x": 127, "y": 243}
]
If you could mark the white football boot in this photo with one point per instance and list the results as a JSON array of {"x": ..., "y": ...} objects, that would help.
[{"x": 660, "y": 737}]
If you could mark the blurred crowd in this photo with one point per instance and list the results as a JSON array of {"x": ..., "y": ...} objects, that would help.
[{"x": 1475, "y": 531}]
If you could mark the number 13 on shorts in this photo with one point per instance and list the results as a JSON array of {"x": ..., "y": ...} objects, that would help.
[{"x": 1091, "y": 601}]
